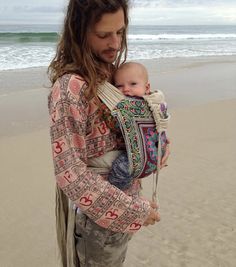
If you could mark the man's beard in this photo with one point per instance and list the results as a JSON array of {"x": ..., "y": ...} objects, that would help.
[{"x": 104, "y": 56}]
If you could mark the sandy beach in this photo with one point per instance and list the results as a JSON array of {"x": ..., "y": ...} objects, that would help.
[{"x": 196, "y": 191}]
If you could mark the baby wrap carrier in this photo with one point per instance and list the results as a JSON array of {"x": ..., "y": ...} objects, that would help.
[{"x": 142, "y": 124}]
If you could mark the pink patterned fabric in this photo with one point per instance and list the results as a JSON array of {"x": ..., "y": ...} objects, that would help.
[{"x": 79, "y": 132}]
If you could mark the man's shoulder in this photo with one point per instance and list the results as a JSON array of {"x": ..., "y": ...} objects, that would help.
[
  {"x": 71, "y": 82},
  {"x": 69, "y": 87},
  {"x": 72, "y": 77}
]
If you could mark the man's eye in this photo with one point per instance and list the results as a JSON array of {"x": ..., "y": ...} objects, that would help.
[
  {"x": 102, "y": 36},
  {"x": 120, "y": 32}
]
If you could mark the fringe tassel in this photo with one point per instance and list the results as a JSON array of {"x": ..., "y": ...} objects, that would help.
[
  {"x": 154, "y": 100},
  {"x": 61, "y": 224},
  {"x": 65, "y": 224}
]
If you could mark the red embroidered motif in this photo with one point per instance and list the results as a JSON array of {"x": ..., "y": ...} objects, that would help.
[
  {"x": 58, "y": 146},
  {"x": 112, "y": 215},
  {"x": 86, "y": 201},
  {"x": 67, "y": 176},
  {"x": 102, "y": 128},
  {"x": 135, "y": 226}
]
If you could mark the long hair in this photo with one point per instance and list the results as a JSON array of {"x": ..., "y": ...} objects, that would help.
[{"x": 73, "y": 54}]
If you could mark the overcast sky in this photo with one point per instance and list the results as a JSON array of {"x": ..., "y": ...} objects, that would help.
[{"x": 161, "y": 12}]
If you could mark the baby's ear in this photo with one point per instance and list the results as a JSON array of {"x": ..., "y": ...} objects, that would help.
[{"x": 148, "y": 91}]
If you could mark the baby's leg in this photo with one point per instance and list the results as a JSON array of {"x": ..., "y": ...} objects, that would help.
[{"x": 119, "y": 174}]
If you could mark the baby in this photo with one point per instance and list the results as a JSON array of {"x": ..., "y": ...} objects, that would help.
[{"x": 131, "y": 79}]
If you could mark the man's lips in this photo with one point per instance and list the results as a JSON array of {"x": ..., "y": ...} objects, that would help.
[{"x": 110, "y": 53}]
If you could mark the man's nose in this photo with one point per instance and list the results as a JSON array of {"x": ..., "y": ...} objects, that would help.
[{"x": 115, "y": 41}]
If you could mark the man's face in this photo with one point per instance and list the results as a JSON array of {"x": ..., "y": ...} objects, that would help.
[{"x": 106, "y": 36}]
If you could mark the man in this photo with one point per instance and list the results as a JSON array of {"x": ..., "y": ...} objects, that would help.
[{"x": 105, "y": 217}]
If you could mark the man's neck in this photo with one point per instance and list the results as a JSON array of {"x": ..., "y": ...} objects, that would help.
[{"x": 107, "y": 68}]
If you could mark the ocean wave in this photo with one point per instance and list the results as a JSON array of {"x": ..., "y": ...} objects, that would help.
[
  {"x": 175, "y": 37},
  {"x": 25, "y": 57},
  {"x": 28, "y": 37},
  {"x": 52, "y": 37},
  {"x": 32, "y": 48}
]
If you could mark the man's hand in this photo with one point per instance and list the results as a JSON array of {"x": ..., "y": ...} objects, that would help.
[{"x": 154, "y": 215}]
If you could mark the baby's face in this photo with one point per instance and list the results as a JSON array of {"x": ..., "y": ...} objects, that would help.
[{"x": 131, "y": 81}]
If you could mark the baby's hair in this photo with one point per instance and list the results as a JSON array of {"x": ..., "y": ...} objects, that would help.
[{"x": 134, "y": 64}]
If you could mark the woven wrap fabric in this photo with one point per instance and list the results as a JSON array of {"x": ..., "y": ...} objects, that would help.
[
  {"x": 140, "y": 120},
  {"x": 140, "y": 135}
]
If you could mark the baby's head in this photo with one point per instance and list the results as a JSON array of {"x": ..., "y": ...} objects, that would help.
[{"x": 131, "y": 79}]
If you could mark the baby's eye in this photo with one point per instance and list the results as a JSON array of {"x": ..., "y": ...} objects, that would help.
[
  {"x": 118, "y": 86},
  {"x": 133, "y": 83}
]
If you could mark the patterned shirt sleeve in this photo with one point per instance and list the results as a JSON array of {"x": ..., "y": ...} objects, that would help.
[{"x": 105, "y": 204}]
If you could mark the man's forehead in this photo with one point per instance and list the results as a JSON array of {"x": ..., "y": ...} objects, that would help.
[
  {"x": 108, "y": 29},
  {"x": 110, "y": 22}
]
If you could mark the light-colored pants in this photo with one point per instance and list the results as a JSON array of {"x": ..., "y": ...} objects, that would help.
[{"x": 97, "y": 246}]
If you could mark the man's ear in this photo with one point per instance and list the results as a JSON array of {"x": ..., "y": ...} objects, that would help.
[{"x": 148, "y": 88}]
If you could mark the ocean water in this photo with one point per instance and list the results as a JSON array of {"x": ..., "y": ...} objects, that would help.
[{"x": 25, "y": 46}]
